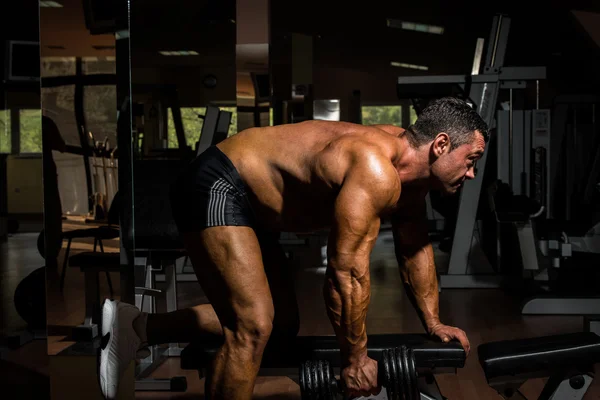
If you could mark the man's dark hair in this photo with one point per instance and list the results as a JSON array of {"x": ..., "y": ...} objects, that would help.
[{"x": 450, "y": 115}]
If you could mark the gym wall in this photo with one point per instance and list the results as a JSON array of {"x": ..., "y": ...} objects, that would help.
[
  {"x": 188, "y": 81},
  {"x": 24, "y": 185}
]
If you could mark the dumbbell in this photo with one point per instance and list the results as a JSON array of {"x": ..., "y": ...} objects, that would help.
[{"x": 397, "y": 373}]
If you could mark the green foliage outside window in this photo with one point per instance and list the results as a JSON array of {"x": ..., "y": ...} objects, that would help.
[
  {"x": 30, "y": 131},
  {"x": 192, "y": 125},
  {"x": 413, "y": 115},
  {"x": 5, "y": 141},
  {"x": 372, "y": 115}
]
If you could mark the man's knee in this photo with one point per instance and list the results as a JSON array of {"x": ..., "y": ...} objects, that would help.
[{"x": 252, "y": 330}]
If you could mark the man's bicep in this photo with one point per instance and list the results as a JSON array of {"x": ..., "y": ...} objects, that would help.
[
  {"x": 355, "y": 219},
  {"x": 370, "y": 187}
]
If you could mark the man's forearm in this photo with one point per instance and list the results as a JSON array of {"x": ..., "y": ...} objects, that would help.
[
  {"x": 417, "y": 266},
  {"x": 347, "y": 294}
]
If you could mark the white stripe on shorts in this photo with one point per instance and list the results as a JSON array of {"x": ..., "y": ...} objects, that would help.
[{"x": 218, "y": 202}]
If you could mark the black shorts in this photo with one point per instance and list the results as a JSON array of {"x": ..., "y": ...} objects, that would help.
[{"x": 210, "y": 192}]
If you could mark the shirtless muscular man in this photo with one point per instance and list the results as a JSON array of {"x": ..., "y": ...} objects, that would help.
[{"x": 233, "y": 200}]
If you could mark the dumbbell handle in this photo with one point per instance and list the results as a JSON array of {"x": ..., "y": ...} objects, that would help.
[
  {"x": 396, "y": 371},
  {"x": 338, "y": 387}
]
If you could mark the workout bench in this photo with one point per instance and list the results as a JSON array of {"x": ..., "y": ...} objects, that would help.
[
  {"x": 567, "y": 360},
  {"x": 301, "y": 359}
]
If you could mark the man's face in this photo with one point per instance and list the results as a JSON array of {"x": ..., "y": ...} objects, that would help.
[{"x": 452, "y": 168}]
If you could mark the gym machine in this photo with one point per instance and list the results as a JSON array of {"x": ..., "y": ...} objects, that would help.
[
  {"x": 408, "y": 363},
  {"x": 553, "y": 254},
  {"x": 481, "y": 91},
  {"x": 576, "y": 161},
  {"x": 546, "y": 255}
]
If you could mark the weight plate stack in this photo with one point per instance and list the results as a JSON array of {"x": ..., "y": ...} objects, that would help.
[
  {"x": 412, "y": 385},
  {"x": 400, "y": 374},
  {"x": 391, "y": 375},
  {"x": 317, "y": 381}
]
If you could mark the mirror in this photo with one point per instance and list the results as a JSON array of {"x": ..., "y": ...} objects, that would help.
[
  {"x": 81, "y": 237},
  {"x": 23, "y": 309}
]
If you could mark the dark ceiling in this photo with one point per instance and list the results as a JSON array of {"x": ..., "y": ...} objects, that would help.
[
  {"x": 542, "y": 33},
  {"x": 352, "y": 36}
]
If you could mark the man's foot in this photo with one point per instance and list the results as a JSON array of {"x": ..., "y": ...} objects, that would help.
[{"x": 119, "y": 345}]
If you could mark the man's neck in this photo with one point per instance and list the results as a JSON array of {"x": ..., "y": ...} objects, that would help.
[{"x": 412, "y": 164}]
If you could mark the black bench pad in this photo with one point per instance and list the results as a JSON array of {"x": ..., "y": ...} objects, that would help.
[
  {"x": 539, "y": 355},
  {"x": 429, "y": 353}
]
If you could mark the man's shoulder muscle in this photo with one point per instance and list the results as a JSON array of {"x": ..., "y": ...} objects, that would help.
[{"x": 373, "y": 173}]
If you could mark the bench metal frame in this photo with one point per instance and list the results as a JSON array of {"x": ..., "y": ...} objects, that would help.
[
  {"x": 572, "y": 386},
  {"x": 145, "y": 300}
]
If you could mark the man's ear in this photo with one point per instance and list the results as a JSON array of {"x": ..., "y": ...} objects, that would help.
[{"x": 441, "y": 144}]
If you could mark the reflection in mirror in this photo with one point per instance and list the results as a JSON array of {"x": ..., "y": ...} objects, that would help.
[
  {"x": 81, "y": 233},
  {"x": 22, "y": 270}
]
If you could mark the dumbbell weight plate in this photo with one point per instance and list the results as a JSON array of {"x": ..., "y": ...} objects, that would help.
[
  {"x": 392, "y": 373},
  {"x": 317, "y": 381},
  {"x": 330, "y": 386},
  {"x": 412, "y": 373},
  {"x": 400, "y": 374},
  {"x": 305, "y": 378},
  {"x": 410, "y": 385},
  {"x": 405, "y": 377}
]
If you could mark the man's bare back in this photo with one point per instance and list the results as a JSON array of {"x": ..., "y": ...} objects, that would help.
[{"x": 295, "y": 171}]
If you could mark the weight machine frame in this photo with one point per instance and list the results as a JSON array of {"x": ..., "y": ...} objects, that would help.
[{"x": 481, "y": 91}]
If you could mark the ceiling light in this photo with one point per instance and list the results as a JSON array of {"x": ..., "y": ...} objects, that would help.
[
  {"x": 409, "y": 66},
  {"x": 179, "y": 53},
  {"x": 413, "y": 26},
  {"x": 50, "y": 4}
]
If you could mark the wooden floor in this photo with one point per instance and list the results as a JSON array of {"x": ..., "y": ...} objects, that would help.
[{"x": 485, "y": 314}]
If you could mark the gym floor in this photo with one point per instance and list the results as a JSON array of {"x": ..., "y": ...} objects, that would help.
[{"x": 485, "y": 314}]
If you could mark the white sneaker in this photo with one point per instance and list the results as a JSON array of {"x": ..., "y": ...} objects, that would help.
[{"x": 119, "y": 344}]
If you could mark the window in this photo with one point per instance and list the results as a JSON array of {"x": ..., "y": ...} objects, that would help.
[
  {"x": 30, "y": 131},
  {"x": 372, "y": 115},
  {"x": 233, "y": 124},
  {"x": 192, "y": 125},
  {"x": 98, "y": 65},
  {"x": 413, "y": 115},
  {"x": 5, "y": 142},
  {"x": 58, "y": 104},
  {"x": 100, "y": 110},
  {"x": 58, "y": 66}
]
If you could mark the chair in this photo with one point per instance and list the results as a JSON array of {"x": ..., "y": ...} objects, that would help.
[{"x": 107, "y": 232}]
